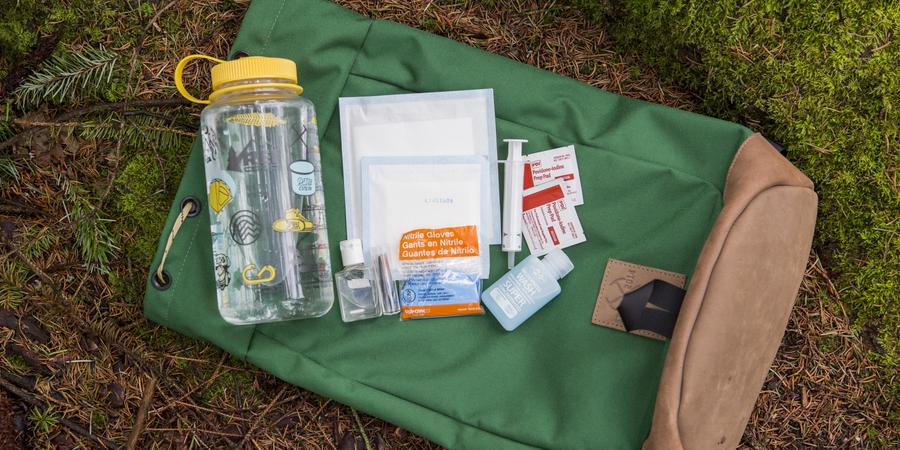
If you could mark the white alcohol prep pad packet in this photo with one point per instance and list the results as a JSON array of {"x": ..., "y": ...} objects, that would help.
[
  {"x": 450, "y": 123},
  {"x": 555, "y": 164},
  {"x": 548, "y": 219},
  {"x": 405, "y": 194}
]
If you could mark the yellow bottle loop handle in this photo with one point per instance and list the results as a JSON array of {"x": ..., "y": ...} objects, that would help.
[{"x": 179, "y": 73}]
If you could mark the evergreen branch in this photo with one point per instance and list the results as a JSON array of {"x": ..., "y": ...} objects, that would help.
[
  {"x": 68, "y": 116},
  {"x": 138, "y": 132},
  {"x": 93, "y": 234},
  {"x": 67, "y": 77}
]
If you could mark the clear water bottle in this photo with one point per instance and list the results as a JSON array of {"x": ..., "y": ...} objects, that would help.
[{"x": 266, "y": 201}]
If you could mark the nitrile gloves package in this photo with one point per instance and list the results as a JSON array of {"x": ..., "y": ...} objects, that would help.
[
  {"x": 426, "y": 212},
  {"x": 457, "y": 123}
]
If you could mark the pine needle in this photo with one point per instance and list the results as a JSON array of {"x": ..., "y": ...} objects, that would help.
[
  {"x": 12, "y": 277},
  {"x": 8, "y": 169},
  {"x": 68, "y": 77},
  {"x": 7, "y": 165}
]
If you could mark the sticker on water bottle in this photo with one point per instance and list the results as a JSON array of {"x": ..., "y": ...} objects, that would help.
[
  {"x": 263, "y": 275},
  {"x": 303, "y": 177},
  {"x": 293, "y": 222},
  {"x": 245, "y": 227},
  {"x": 223, "y": 265},
  {"x": 255, "y": 119},
  {"x": 219, "y": 195}
]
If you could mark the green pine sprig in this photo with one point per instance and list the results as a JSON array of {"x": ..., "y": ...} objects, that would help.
[
  {"x": 67, "y": 77},
  {"x": 138, "y": 131},
  {"x": 94, "y": 235}
]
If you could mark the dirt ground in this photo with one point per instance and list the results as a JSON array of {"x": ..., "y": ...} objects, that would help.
[{"x": 82, "y": 367}]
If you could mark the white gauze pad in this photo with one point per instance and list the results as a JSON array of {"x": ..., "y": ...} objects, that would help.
[
  {"x": 453, "y": 123},
  {"x": 402, "y": 194}
]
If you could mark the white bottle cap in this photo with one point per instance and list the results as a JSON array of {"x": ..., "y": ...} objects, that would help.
[
  {"x": 558, "y": 263},
  {"x": 351, "y": 252}
]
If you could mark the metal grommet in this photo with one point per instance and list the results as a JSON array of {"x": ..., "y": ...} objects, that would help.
[
  {"x": 161, "y": 284},
  {"x": 239, "y": 54},
  {"x": 195, "y": 206}
]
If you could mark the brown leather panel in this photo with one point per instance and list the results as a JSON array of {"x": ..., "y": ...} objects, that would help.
[
  {"x": 725, "y": 292},
  {"x": 743, "y": 317}
]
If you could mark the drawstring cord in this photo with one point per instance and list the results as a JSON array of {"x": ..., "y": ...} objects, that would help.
[{"x": 185, "y": 210}]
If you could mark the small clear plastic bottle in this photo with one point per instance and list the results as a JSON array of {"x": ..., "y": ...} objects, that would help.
[
  {"x": 358, "y": 285},
  {"x": 526, "y": 288},
  {"x": 265, "y": 195}
]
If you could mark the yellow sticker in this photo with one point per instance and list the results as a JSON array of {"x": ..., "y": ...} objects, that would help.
[
  {"x": 265, "y": 274},
  {"x": 293, "y": 222},
  {"x": 257, "y": 119},
  {"x": 219, "y": 195}
]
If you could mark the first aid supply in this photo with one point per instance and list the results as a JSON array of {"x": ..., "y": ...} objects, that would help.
[
  {"x": 555, "y": 164},
  {"x": 358, "y": 286},
  {"x": 426, "y": 212},
  {"x": 264, "y": 183},
  {"x": 548, "y": 220},
  {"x": 526, "y": 288},
  {"x": 442, "y": 272},
  {"x": 390, "y": 298},
  {"x": 458, "y": 123},
  {"x": 513, "y": 179},
  {"x": 440, "y": 293}
]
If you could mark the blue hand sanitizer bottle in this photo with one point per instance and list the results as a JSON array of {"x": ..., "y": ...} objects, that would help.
[{"x": 526, "y": 288}]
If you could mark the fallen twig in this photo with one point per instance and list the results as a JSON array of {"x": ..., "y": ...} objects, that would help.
[
  {"x": 69, "y": 116},
  {"x": 142, "y": 414},
  {"x": 27, "y": 326}
]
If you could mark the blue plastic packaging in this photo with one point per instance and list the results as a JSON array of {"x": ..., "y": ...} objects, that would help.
[{"x": 440, "y": 293}]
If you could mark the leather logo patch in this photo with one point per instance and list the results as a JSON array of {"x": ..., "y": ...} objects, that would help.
[{"x": 621, "y": 278}]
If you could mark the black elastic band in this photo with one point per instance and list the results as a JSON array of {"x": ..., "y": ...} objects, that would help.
[{"x": 652, "y": 307}]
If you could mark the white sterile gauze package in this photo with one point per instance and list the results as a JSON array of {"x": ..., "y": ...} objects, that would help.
[
  {"x": 457, "y": 123},
  {"x": 426, "y": 212}
]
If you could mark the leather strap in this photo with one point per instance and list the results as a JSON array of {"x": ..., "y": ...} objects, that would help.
[{"x": 652, "y": 307}]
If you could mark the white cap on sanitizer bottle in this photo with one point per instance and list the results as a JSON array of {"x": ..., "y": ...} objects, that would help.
[
  {"x": 351, "y": 252},
  {"x": 558, "y": 263}
]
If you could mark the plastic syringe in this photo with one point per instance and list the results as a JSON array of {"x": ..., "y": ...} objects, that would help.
[{"x": 513, "y": 181}]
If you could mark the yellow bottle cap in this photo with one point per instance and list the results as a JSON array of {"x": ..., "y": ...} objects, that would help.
[
  {"x": 243, "y": 69},
  {"x": 250, "y": 67}
]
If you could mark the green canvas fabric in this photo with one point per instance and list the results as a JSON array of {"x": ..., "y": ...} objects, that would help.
[{"x": 652, "y": 178}]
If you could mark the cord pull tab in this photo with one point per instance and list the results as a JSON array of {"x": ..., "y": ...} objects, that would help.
[{"x": 179, "y": 74}]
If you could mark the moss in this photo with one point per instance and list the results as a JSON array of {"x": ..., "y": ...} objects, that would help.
[
  {"x": 99, "y": 419},
  {"x": 229, "y": 382},
  {"x": 18, "y": 363},
  {"x": 116, "y": 90},
  {"x": 18, "y": 30},
  {"x": 143, "y": 203},
  {"x": 820, "y": 78}
]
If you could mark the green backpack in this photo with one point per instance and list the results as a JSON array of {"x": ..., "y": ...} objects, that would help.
[{"x": 663, "y": 188}]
